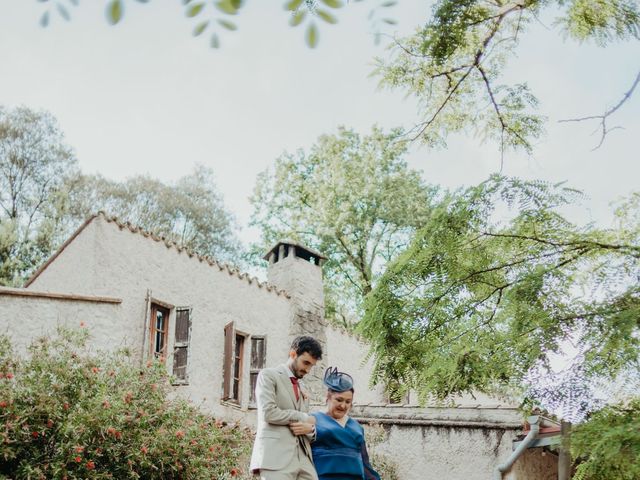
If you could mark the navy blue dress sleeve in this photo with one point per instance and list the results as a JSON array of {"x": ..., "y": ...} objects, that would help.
[{"x": 369, "y": 472}]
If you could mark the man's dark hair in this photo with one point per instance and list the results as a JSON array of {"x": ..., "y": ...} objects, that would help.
[{"x": 307, "y": 344}]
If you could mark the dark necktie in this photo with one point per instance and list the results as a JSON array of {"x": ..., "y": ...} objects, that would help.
[{"x": 296, "y": 388}]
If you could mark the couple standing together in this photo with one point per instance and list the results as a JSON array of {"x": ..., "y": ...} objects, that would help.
[{"x": 292, "y": 444}]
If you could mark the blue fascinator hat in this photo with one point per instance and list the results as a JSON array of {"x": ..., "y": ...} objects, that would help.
[{"x": 337, "y": 381}]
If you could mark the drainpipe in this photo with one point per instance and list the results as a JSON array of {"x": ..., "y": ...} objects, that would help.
[{"x": 531, "y": 436}]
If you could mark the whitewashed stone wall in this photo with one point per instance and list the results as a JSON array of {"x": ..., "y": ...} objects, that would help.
[
  {"x": 25, "y": 318},
  {"x": 349, "y": 354},
  {"x": 108, "y": 259},
  {"x": 454, "y": 443}
]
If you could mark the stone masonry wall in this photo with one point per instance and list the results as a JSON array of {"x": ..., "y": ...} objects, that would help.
[{"x": 454, "y": 443}]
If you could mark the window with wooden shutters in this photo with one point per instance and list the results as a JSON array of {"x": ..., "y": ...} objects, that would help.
[
  {"x": 233, "y": 363},
  {"x": 159, "y": 327},
  {"x": 258, "y": 359},
  {"x": 227, "y": 363},
  {"x": 238, "y": 357},
  {"x": 181, "y": 344}
]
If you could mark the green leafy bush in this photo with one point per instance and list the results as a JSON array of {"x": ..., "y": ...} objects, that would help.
[
  {"x": 69, "y": 413},
  {"x": 607, "y": 446}
]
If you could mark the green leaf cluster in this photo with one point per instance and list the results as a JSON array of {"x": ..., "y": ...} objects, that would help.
[
  {"x": 35, "y": 167},
  {"x": 602, "y": 21},
  {"x": 353, "y": 198},
  {"x": 190, "y": 212},
  {"x": 493, "y": 285},
  {"x": 44, "y": 198},
  {"x": 607, "y": 446},
  {"x": 454, "y": 65}
]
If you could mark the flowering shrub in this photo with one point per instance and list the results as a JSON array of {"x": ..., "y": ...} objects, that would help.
[{"x": 68, "y": 414}]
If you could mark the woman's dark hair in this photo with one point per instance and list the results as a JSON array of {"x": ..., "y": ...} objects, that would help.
[{"x": 307, "y": 344}]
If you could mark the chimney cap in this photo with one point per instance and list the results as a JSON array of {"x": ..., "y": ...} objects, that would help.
[{"x": 299, "y": 248}]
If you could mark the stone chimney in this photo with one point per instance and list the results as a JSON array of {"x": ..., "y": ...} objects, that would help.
[{"x": 298, "y": 270}]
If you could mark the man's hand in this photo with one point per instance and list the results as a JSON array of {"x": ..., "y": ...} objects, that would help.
[{"x": 302, "y": 428}]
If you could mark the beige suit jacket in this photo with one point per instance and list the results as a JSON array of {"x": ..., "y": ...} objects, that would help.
[{"x": 275, "y": 445}]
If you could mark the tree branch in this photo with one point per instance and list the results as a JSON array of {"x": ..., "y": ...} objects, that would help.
[{"x": 604, "y": 129}]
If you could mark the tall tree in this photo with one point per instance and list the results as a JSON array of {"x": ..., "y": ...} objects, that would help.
[
  {"x": 483, "y": 295},
  {"x": 351, "y": 197},
  {"x": 35, "y": 166},
  {"x": 190, "y": 212}
]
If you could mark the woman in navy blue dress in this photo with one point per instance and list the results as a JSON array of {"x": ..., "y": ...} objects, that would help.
[{"x": 339, "y": 450}]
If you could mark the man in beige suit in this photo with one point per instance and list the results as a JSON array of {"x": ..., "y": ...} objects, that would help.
[{"x": 281, "y": 450}]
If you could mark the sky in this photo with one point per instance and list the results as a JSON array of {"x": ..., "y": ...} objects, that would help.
[{"x": 145, "y": 97}]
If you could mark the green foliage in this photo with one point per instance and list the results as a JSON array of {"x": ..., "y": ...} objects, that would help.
[
  {"x": 70, "y": 413},
  {"x": 43, "y": 198},
  {"x": 493, "y": 284},
  {"x": 603, "y": 21},
  {"x": 351, "y": 197},
  {"x": 115, "y": 9},
  {"x": 608, "y": 445},
  {"x": 35, "y": 166},
  {"x": 448, "y": 30},
  {"x": 190, "y": 212},
  {"x": 453, "y": 65}
]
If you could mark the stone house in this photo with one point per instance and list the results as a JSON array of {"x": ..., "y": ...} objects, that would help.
[{"x": 216, "y": 327}]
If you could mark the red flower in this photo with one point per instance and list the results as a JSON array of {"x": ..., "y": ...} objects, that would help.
[
  {"x": 95, "y": 369},
  {"x": 65, "y": 405},
  {"x": 9, "y": 375},
  {"x": 78, "y": 449},
  {"x": 180, "y": 434},
  {"x": 144, "y": 449},
  {"x": 78, "y": 459},
  {"x": 234, "y": 472},
  {"x": 90, "y": 465},
  {"x": 111, "y": 431},
  {"x": 34, "y": 434},
  {"x": 49, "y": 423},
  {"x": 82, "y": 324},
  {"x": 4, "y": 404}
]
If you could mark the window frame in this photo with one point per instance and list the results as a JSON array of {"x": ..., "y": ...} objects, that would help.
[
  {"x": 156, "y": 307},
  {"x": 181, "y": 345},
  {"x": 255, "y": 367},
  {"x": 233, "y": 364}
]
